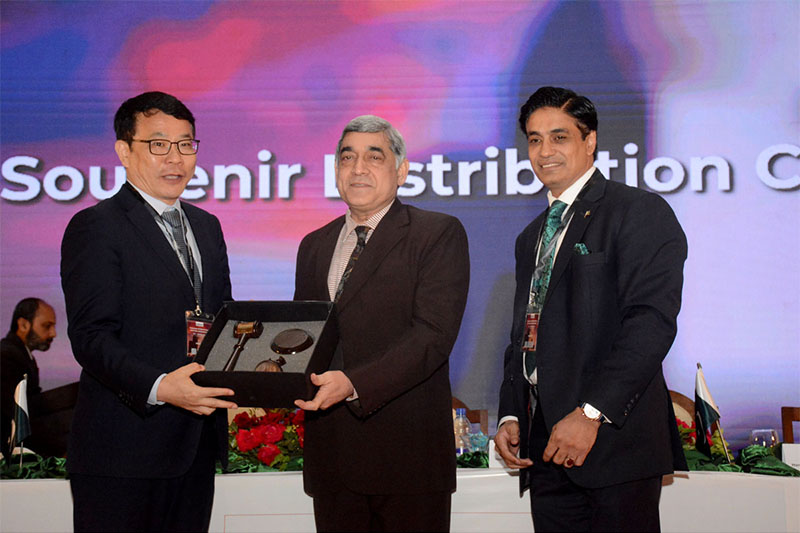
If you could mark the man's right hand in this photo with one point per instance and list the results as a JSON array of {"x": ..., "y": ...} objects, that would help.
[
  {"x": 178, "y": 389},
  {"x": 506, "y": 442}
]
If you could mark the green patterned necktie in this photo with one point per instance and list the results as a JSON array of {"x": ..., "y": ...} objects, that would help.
[{"x": 550, "y": 228}]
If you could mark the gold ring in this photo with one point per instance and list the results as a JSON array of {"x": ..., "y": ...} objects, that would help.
[{"x": 569, "y": 462}]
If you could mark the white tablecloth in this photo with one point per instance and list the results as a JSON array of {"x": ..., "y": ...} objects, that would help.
[{"x": 486, "y": 500}]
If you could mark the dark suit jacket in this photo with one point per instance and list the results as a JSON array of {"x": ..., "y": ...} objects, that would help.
[
  {"x": 608, "y": 321},
  {"x": 399, "y": 316},
  {"x": 126, "y": 294},
  {"x": 14, "y": 364}
]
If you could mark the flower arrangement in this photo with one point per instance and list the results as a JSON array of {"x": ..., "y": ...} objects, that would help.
[
  {"x": 272, "y": 442},
  {"x": 688, "y": 434}
]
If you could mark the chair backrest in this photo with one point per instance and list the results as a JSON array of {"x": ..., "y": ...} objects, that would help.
[
  {"x": 789, "y": 415},
  {"x": 476, "y": 416},
  {"x": 683, "y": 406}
]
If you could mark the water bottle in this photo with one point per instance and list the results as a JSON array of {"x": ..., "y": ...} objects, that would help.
[{"x": 461, "y": 428}]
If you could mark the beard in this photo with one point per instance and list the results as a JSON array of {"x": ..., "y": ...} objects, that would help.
[{"x": 35, "y": 342}]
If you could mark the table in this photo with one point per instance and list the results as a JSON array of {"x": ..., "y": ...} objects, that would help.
[{"x": 486, "y": 500}]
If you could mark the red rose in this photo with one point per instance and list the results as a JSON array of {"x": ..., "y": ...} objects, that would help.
[
  {"x": 273, "y": 416},
  {"x": 268, "y": 453},
  {"x": 243, "y": 420},
  {"x": 272, "y": 433},
  {"x": 247, "y": 440},
  {"x": 301, "y": 435},
  {"x": 298, "y": 417}
]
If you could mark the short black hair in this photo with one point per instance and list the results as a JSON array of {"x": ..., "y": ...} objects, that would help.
[
  {"x": 579, "y": 107},
  {"x": 26, "y": 309},
  {"x": 148, "y": 104}
]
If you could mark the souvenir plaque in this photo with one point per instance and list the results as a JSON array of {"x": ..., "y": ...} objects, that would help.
[{"x": 267, "y": 351}]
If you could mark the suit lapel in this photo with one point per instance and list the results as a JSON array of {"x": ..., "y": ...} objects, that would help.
[
  {"x": 146, "y": 227},
  {"x": 583, "y": 209},
  {"x": 324, "y": 256},
  {"x": 391, "y": 230}
]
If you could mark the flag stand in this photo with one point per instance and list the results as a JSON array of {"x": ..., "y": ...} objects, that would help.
[{"x": 707, "y": 415}]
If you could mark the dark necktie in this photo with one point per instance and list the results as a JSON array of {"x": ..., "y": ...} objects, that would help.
[
  {"x": 173, "y": 219},
  {"x": 550, "y": 228},
  {"x": 361, "y": 234}
]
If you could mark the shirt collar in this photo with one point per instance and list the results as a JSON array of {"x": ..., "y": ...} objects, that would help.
[
  {"x": 155, "y": 203},
  {"x": 569, "y": 195},
  {"x": 372, "y": 222}
]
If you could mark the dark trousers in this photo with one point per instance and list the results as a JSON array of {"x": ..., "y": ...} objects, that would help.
[
  {"x": 558, "y": 504},
  {"x": 104, "y": 503},
  {"x": 344, "y": 510}
]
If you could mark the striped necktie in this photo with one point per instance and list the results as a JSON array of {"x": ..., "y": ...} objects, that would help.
[
  {"x": 361, "y": 235},
  {"x": 172, "y": 217}
]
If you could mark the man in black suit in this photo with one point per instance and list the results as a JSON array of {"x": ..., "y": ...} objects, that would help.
[
  {"x": 144, "y": 437},
  {"x": 33, "y": 327},
  {"x": 379, "y": 447},
  {"x": 584, "y": 409}
]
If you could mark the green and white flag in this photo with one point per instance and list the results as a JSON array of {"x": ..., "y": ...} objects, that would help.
[
  {"x": 21, "y": 425},
  {"x": 706, "y": 412}
]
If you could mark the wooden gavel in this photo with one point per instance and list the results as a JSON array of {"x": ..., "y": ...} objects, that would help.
[{"x": 245, "y": 331}]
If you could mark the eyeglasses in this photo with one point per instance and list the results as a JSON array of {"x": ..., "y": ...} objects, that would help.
[{"x": 163, "y": 146}]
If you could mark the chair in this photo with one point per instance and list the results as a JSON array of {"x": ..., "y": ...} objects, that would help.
[
  {"x": 475, "y": 416},
  {"x": 683, "y": 407},
  {"x": 789, "y": 415}
]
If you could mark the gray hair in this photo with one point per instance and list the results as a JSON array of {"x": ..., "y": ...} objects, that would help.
[{"x": 373, "y": 124}]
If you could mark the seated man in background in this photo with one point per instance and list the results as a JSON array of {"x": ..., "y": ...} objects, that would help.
[{"x": 33, "y": 327}]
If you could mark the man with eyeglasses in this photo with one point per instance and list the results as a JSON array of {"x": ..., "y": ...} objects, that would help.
[{"x": 135, "y": 269}]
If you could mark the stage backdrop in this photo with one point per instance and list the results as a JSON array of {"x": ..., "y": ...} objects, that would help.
[{"x": 697, "y": 100}]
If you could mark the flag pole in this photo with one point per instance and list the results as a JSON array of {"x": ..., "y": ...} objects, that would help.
[
  {"x": 724, "y": 445},
  {"x": 719, "y": 429}
]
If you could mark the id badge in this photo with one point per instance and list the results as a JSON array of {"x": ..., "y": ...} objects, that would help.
[
  {"x": 531, "y": 331},
  {"x": 197, "y": 326}
]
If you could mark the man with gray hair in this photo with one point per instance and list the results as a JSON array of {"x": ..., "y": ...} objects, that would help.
[{"x": 379, "y": 447}]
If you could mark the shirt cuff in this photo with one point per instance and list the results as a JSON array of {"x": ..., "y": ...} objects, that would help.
[
  {"x": 507, "y": 419},
  {"x": 152, "y": 399}
]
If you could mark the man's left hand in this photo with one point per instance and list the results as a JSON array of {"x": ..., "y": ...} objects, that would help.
[
  {"x": 334, "y": 386},
  {"x": 571, "y": 439}
]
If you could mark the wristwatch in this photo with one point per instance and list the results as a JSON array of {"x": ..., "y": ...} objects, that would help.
[{"x": 591, "y": 413}]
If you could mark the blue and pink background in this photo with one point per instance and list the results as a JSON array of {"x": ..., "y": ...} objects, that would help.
[{"x": 697, "y": 100}]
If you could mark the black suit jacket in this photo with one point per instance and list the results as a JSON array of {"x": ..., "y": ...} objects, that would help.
[
  {"x": 608, "y": 321},
  {"x": 14, "y": 364},
  {"x": 398, "y": 315},
  {"x": 126, "y": 293}
]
